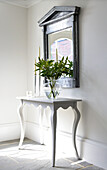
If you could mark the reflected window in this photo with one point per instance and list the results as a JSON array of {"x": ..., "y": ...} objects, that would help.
[
  {"x": 62, "y": 41},
  {"x": 64, "y": 48}
]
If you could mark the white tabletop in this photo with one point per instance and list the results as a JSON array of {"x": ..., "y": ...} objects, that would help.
[{"x": 46, "y": 100}]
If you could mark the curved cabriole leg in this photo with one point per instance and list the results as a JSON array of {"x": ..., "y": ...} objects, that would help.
[
  {"x": 21, "y": 118},
  {"x": 53, "y": 125},
  {"x": 77, "y": 116},
  {"x": 41, "y": 125}
]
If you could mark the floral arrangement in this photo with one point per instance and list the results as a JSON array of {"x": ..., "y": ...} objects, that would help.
[{"x": 54, "y": 70}]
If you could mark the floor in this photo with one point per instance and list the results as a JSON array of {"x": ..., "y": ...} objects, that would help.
[{"x": 34, "y": 156}]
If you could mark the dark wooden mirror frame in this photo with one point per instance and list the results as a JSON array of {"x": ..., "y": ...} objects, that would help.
[{"x": 60, "y": 18}]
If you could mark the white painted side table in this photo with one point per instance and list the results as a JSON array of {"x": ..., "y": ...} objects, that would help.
[{"x": 54, "y": 105}]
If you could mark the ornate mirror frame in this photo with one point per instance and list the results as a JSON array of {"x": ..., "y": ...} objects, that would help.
[{"x": 57, "y": 19}]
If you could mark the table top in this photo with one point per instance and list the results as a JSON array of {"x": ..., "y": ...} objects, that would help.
[{"x": 46, "y": 100}]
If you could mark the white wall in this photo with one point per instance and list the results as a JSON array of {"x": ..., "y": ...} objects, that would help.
[
  {"x": 13, "y": 67},
  {"x": 93, "y": 69}
]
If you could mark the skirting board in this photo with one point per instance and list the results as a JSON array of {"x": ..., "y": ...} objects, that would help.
[
  {"x": 9, "y": 131},
  {"x": 91, "y": 151}
]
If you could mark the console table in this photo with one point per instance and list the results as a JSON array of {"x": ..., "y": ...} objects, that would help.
[{"x": 54, "y": 105}]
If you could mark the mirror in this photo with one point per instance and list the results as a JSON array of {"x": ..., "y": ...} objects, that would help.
[
  {"x": 62, "y": 41},
  {"x": 61, "y": 36}
]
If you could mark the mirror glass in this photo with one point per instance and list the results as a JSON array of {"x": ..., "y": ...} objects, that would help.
[{"x": 61, "y": 44}]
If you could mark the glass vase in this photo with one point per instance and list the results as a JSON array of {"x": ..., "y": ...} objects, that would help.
[{"x": 52, "y": 89}]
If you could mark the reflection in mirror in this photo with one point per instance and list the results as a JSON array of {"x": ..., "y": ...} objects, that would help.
[{"x": 62, "y": 42}]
